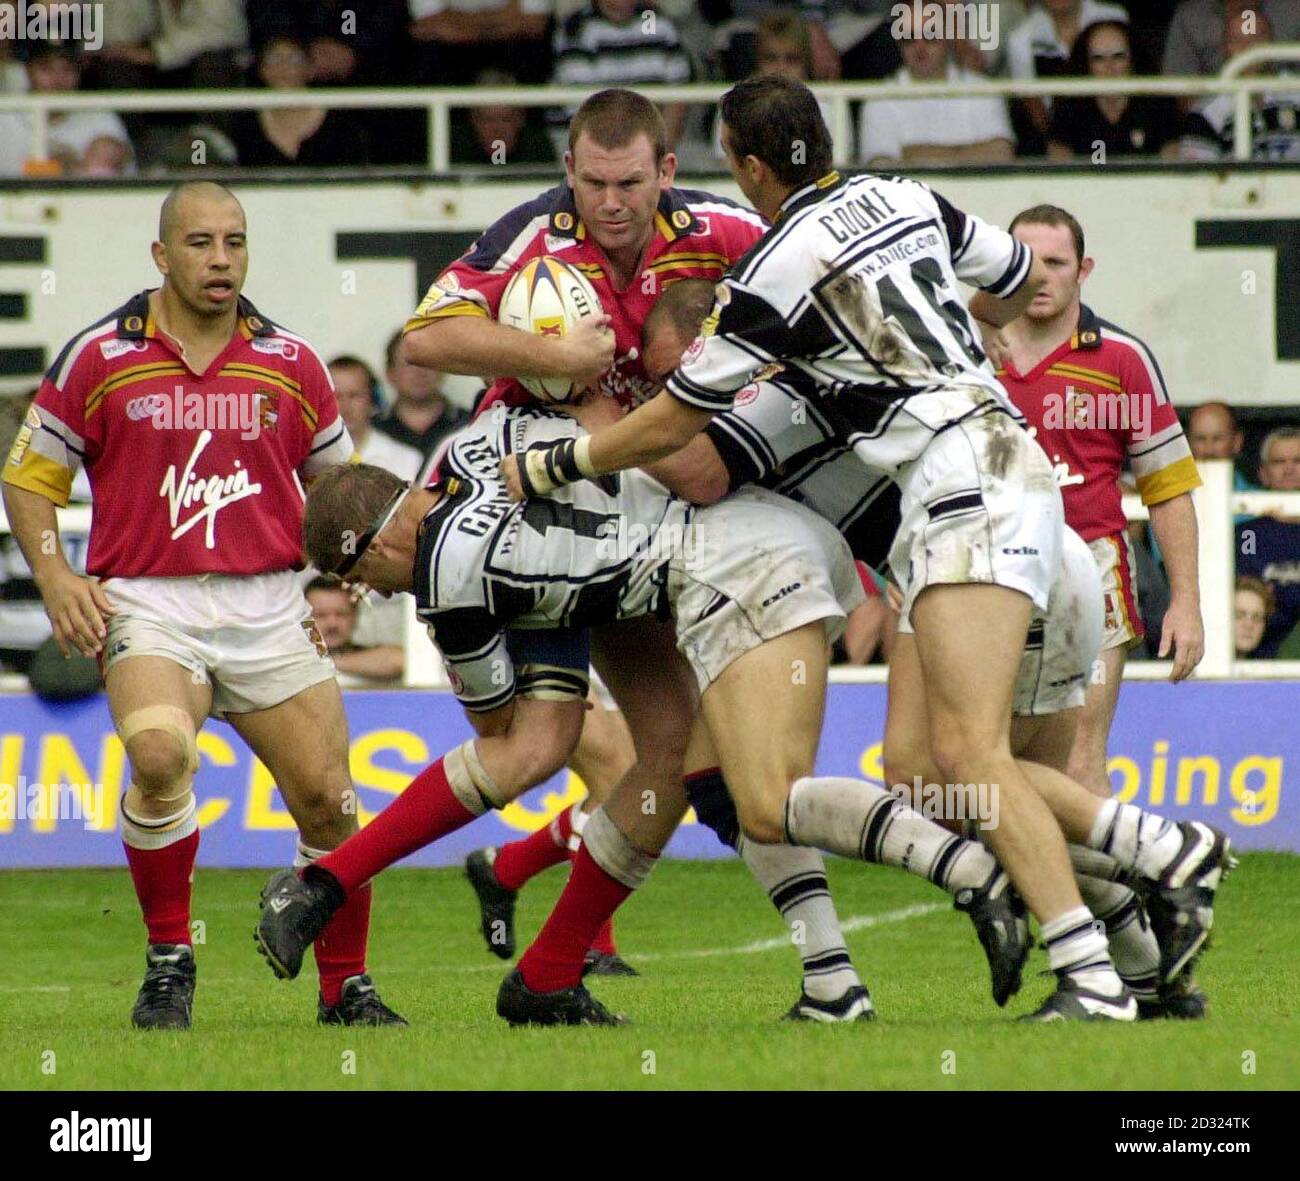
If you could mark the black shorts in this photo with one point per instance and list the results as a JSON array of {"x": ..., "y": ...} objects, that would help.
[{"x": 550, "y": 663}]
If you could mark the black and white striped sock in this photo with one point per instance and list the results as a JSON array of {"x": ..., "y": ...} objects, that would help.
[
  {"x": 795, "y": 881},
  {"x": 1076, "y": 945}
]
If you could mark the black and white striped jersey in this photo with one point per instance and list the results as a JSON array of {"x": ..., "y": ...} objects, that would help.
[
  {"x": 856, "y": 287},
  {"x": 778, "y": 435},
  {"x": 591, "y": 553}
]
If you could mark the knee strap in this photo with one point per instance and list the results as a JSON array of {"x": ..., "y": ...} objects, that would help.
[
  {"x": 469, "y": 780},
  {"x": 614, "y": 853},
  {"x": 714, "y": 807},
  {"x": 170, "y": 719}
]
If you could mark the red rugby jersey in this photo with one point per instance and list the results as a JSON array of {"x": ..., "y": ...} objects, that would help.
[
  {"x": 697, "y": 236},
  {"x": 1096, "y": 400},
  {"x": 189, "y": 474}
]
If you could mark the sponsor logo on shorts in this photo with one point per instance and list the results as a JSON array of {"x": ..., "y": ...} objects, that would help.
[
  {"x": 747, "y": 395},
  {"x": 781, "y": 594},
  {"x": 313, "y": 634},
  {"x": 1020, "y": 551}
]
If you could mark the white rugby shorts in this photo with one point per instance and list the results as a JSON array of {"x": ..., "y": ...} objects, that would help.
[
  {"x": 250, "y": 636},
  {"x": 980, "y": 505},
  {"x": 758, "y": 566}
]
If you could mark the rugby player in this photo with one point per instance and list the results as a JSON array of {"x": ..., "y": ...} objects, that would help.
[
  {"x": 620, "y": 221},
  {"x": 479, "y": 564},
  {"x": 195, "y": 416},
  {"x": 775, "y": 436},
  {"x": 856, "y": 288},
  {"x": 1095, "y": 397}
]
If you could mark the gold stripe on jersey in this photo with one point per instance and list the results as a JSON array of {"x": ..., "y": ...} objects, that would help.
[
  {"x": 272, "y": 377},
  {"x": 462, "y": 307},
  {"x": 1109, "y": 380},
  {"x": 1179, "y": 477},
  {"x": 129, "y": 376},
  {"x": 247, "y": 368},
  {"x": 40, "y": 474},
  {"x": 701, "y": 260}
]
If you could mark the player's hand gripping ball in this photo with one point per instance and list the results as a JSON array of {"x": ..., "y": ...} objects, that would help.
[{"x": 547, "y": 297}]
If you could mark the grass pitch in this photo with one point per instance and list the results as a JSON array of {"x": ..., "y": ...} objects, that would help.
[{"x": 717, "y": 974}]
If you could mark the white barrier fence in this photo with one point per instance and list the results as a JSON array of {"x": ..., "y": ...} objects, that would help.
[
  {"x": 1217, "y": 503},
  {"x": 438, "y": 103}
]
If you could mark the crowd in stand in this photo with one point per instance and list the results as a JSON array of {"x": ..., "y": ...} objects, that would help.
[{"x": 295, "y": 45}]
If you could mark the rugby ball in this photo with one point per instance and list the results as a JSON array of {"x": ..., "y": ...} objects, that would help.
[{"x": 546, "y": 297}]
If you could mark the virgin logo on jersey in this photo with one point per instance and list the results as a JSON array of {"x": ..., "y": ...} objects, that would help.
[
  {"x": 1060, "y": 469},
  {"x": 211, "y": 494}
]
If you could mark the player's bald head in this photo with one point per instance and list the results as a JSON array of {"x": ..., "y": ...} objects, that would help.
[
  {"x": 187, "y": 199},
  {"x": 682, "y": 307}
]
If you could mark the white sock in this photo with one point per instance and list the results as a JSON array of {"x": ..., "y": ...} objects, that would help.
[
  {"x": 857, "y": 819},
  {"x": 795, "y": 881},
  {"x": 1138, "y": 840},
  {"x": 1133, "y": 946},
  {"x": 1076, "y": 946}
]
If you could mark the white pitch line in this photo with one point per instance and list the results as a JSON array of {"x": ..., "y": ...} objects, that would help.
[{"x": 856, "y": 923}]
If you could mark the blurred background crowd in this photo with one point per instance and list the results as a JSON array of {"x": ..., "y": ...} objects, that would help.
[{"x": 298, "y": 45}]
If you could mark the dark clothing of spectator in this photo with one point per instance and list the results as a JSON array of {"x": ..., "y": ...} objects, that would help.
[
  {"x": 533, "y": 146},
  {"x": 452, "y": 420},
  {"x": 1147, "y": 124},
  {"x": 1270, "y": 549},
  {"x": 338, "y": 141},
  {"x": 376, "y": 32}
]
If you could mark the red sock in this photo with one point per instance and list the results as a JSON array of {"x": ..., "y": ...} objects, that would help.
[
  {"x": 425, "y": 811},
  {"x": 520, "y": 860},
  {"x": 554, "y": 960},
  {"x": 604, "y": 941},
  {"x": 341, "y": 947},
  {"x": 164, "y": 880}
]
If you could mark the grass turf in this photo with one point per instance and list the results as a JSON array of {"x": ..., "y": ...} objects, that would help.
[{"x": 705, "y": 1009}]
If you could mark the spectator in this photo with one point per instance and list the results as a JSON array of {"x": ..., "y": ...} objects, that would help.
[
  {"x": 1040, "y": 47},
  {"x": 357, "y": 391},
  {"x": 456, "y": 39},
  {"x": 1269, "y": 547},
  {"x": 81, "y": 143},
  {"x": 1213, "y": 433},
  {"x": 308, "y": 136},
  {"x": 1212, "y": 123},
  {"x": 336, "y": 619},
  {"x": 1114, "y": 124},
  {"x": 498, "y": 134},
  {"x": 1252, "y": 604},
  {"x": 622, "y": 43},
  {"x": 13, "y": 77},
  {"x": 782, "y": 46},
  {"x": 935, "y": 131},
  {"x": 171, "y": 44},
  {"x": 348, "y": 44},
  {"x": 420, "y": 416},
  {"x": 1196, "y": 42}
]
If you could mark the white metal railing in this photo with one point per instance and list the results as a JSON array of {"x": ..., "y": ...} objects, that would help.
[
  {"x": 439, "y": 102},
  {"x": 1217, "y": 503}
]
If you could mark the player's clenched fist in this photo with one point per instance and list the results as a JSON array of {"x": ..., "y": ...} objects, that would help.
[
  {"x": 544, "y": 467},
  {"x": 78, "y": 609},
  {"x": 589, "y": 349}
]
